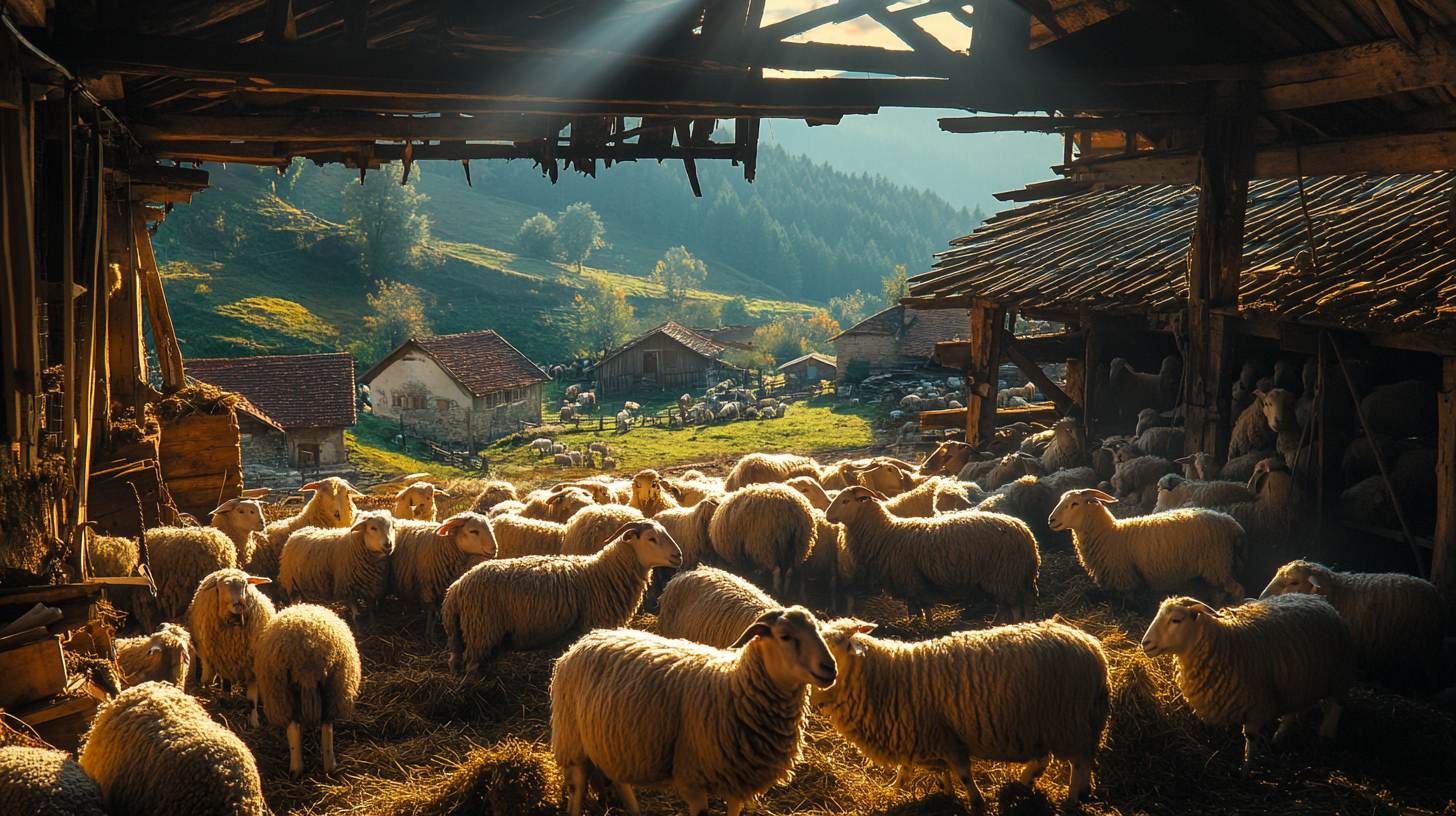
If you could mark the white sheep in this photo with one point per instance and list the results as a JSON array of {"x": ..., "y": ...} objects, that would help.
[
  {"x": 1156, "y": 552},
  {"x": 762, "y": 468},
  {"x": 710, "y": 606},
  {"x": 242, "y": 521},
  {"x": 429, "y": 556},
  {"x": 179, "y": 558},
  {"x": 767, "y": 527},
  {"x": 1268, "y": 517},
  {"x": 648, "y": 494},
  {"x": 43, "y": 782},
  {"x": 1252, "y": 664},
  {"x": 340, "y": 565},
  {"x": 162, "y": 656},
  {"x": 1138, "y": 478},
  {"x": 1252, "y": 431},
  {"x": 558, "y": 504},
  {"x": 594, "y": 527},
  {"x": 1067, "y": 449},
  {"x": 1152, "y": 418},
  {"x": 1011, "y": 467},
  {"x": 931, "y": 497},
  {"x": 154, "y": 749},
  {"x": 1174, "y": 491},
  {"x": 1020, "y": 693},
  {"x": 226, "y": 616},
  {"x": 541, "y": 446},
  {"x": 1163, "y": 442},
  {"x": 958, "y": 553},
  {"x": 330, "y": 507},
  {"x": 516, "y": 536},
  {"x": 690, "y": 528},
  {"x": 503, "y": 604},
  {"x": 624, "y": 420},
  {"x": 417, "y": 502},
  {"x": 557, "y": 448},
  {"x": 307, "y": 665},
  {"x": 492, "y": 494},
  {"x": 645, "y": 710}
]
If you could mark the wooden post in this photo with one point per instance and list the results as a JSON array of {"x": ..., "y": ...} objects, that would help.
[
  {"x": 86, "y": 358},
  {"x": 1089, "y": 378},
  {"x": 169, "y": 353},
  {"x": 1216, "y": 261},
  {"x": 1077, "y": 382},
  {"x": 1034, "y": 373},
  {"x": 128, "y": 357},
  {"x": 1443, "y": 560},
  {"x": 987, "y": 322}
]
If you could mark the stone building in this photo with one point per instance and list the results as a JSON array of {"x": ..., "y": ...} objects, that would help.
[
  {"x": 894, "y": 338},
  {"x": 457, "y": 387}
]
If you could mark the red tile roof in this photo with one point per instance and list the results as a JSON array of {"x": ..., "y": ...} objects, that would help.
[
  {"x": 687, "y": 337},
  {"x": 482, "y": 362},
  {"x": 295, "y": 391}
]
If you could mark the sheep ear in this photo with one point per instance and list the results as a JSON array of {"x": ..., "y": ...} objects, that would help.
[
  {"x": 1100, "y": 497},
  {"x": 309, "y": 486},
  {"x": 865, "y": 628},
  {"x": 226, "y": 507},
  {"x": 673, "y": 489},
  {"x": 359, "y": 526},
  {"x": 754, "y": 631},
  {"x": 1257, "y": 480},
  {"x": 450, "y": 526},
  {"x": 1313, "y": 581},
  {"x": 209, "y": 582},
  {"x": 400, "y": 494},
  {"x": 1186, "y": 460},
  {"x": 353, "y": 491},
  {"x": 629, "y": 527},
  {"x": 439, "y": 492},
  {"x": 258, "y": 579},
  {"x": 1199, "y": 606}
]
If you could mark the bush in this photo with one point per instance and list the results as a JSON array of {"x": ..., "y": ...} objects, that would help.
[{"x": 537, "y": 238}]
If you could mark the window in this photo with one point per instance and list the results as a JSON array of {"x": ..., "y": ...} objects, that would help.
[
  {"x": 442, "y": 404},
  {"x": 417, "y": 402},
  {"x": 669, "y": 359},
  {"x": 494, "y": 400},
  {"x": 397, "y": 400}
]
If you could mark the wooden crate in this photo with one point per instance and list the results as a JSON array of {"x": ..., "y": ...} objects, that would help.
[
  {"x": 201, "y": 462},
  {"x": 31, "y": 672},
  {"x": 61, "y": 721}
]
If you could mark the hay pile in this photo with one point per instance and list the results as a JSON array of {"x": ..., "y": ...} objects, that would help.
[{"x": 195, "y": 399}]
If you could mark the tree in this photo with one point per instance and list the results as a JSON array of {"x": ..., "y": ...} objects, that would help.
[
  {"x": 604, "y": 317},
  {"x": 677, "y": 272},
  {"x": 580, "y": 231},
  {"x": 735, "y": 312},
  {"x": 384, "y": 221},
  {"x": 896, "y": 285},
  {"x": 852, "y": 308},
  {"x": 538, "y": 238},
  {"x": 399, "y": 314},
  {"x": 791, "y": 336}
]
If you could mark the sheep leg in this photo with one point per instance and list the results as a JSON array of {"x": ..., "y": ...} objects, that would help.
[
  {"x": 253, "y": 698},
  {"x": 697, "y": 799},
  {"x": 1286, "y": 727},
  {"x": 735, "y": 805},
  {"x": 629, "y": 799},
  {"x": 1080, "y": 785},
  {"x": 205, "y": 674},
  {"x": 1003, "y": 615},
  {"x": 961, "y": 767},
  {"x": 576, "y": 784},
  {"x": 778, "y": 581},
  {"x": 1331, "y": 721},
  {"x": 1033, "y": 770},
  {"x": 1253, "y": 746},
  {"x": 326, "y": 742},
  {"x": 295, "y": 751},
  {"x": 902, "y": 776}
]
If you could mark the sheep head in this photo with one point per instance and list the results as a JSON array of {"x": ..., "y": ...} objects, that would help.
[
  {"x": 376, "y": 530},
  {"x": 818, "y": 497},
  {"x": 471, "y": 533},
  {"x": 792, "y": 649},
  {"x": 948, "y": 457},
  {"x": 651, "y": 542},
  {"x": 1304, "y": 577},
  {"x": 1177, "y": 627},
  {"x": 567, "y": 501},
  {"x": 1078, "y": 508},
  {"x": 1279, "y": 409},
  {"x": 846, "y": 506},
  {"x": 417, "y": 501},
  {"x": 232, "y": 598},
  {"x": 169, "y": 654},
  {"x": 646, "y": 490},
  {"x": 331, "y": 500},
  {"x": 245, "y": 515}
]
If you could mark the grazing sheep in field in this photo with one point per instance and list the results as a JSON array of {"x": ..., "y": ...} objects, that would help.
[
  {"x": 1174, "y": 492},
  {"x": 1402, "y": 410},
  {"x": 1156, "y": 552},
  {"x": 162, "y": 656},
  {"x": 935, "y": 495},
  {"x": 572, "y": 392},
  {"x": 503, "y": 605},
  {"x": 493, "y": 494},
  {"x": 1252, "y": 664},
  {"x": 1397, "y": 621},
  {"x": 710, "y": 606},
  {"x": 587, "y": 399},
  {"x": 1020, "y": 693},
  {"x": 330, "y": 507},
  {"x": 762, "y": 468},
  {"x": 516, "y": 536},
  {"x": 417, "y": 502},
  {"x": 768, "y": 527},
  {"x": 561, "y": 460},
  {"x": 689, "y": 527},
  {"x": 644, "y": 710},
  {"x": 558, "y": 447},
  {"x": 558, "y": 505},
  {"x": 594, "y": 527},
  {"x": 648, "y": 494},
  {"x": 566, "y": 414},
  {"x": 155, "y": 751},
  {"x": 340, "y": 565},
  {"x": 429, "y": 556},
  {"x": 180, "y": 557},
  {"x": 241, "y": 520},
  {"x": 42, "y": 782},
  {"x": 684, "y": 403},
  {"x": 541, "y": 446},
  {"x": 1067, "y": 448},
  {"x": 226, "y": 616},
  {"x": 624, "y": 420},
  {"x": 958, "y": 552},
  {"x": 308, "y": 674},
  {"x": 608, "y": 463}
]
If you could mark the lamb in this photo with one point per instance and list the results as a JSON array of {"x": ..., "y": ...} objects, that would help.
[
  {"x": 1162, "y": 442},
  {"x": 769, "y": 527},
  {"x": 1018, "y": 693},
  {"x": 155, "y": 750},
  {"x": 429, "y": 556},
  {"x": 710, "y": 606},
  {"x": 1251, "y": 664},
  {"x": 760, "y": 468},
  {"x": 493, "y": 494},
  {"x": 593, "y": 528},
  {"x": 308, "y": 674},
  {"x": 180, "y": 557},
  {"x": 1156, "y": 552},
  {"x": 417, "y": 502},
  {"x": 1067, "y": 449},
  {"x": 935, "y": 495},
  {"x": 42, "y": 782},
  {"x": 557, "y": 505},
  {"x": 500, "y": 605},
  {"x": 329, "y": 508},
  {"x": 1174, "y": 491},
  {"x": 516, "y": 536},
  {"x": 1402, "y": 410},
  {"x": 644, "y": 710},
  {"x": 689, "y": 527},
  {"x": 1397, "y": 621},
  {"x": 240, "y": 519},
  {"x": 648, "y": 495},
  {"x": 957, "y": 552},
  {"x": 162, "y": 656},
  {"x": 340, "y": 565},
  {"x": 226, "y": 616}
]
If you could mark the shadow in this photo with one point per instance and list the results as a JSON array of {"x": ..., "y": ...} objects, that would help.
[
  {"x": 1015, "y": 799},
  {"x": 936, "y": 804}
]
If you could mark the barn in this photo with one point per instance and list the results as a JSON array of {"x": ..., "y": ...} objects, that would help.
[
  {"x": 809, "y": 369},
  {"x": 666, "y": 357}
]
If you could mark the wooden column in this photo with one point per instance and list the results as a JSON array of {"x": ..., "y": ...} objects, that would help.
[
  {"x": 169, "y": 352},
  {"x": 127, "y": 355},
  {"x": 1216, "y": 261},
  {"x": 1443, "y": 561},
  {"x": 987, "y": 321},
  {"x": 1077, "y": 383},
  {"x": 18, "y": 312},
  {"x": 1089, "y": 379}
]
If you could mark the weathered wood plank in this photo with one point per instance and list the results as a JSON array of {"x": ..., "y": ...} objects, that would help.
[
  {"x": 1443, "y": 562},
  {"x": 1033, "y": 372}
]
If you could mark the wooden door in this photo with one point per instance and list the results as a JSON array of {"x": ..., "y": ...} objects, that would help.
[{"x": 649, "y": 362}]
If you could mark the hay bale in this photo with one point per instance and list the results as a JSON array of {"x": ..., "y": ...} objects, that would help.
[{"x": 511, "y": 777}]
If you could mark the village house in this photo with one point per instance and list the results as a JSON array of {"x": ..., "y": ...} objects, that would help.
[
  {"x": 666, "y": 357},
  {"x": 894, "y": 338},
  {"x": 457, "y": 388},
  {"x": 293, "y": 411}
]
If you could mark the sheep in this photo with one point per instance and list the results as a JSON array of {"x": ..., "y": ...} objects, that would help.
[
  {"x": 1028, "y": 499},
  {"x": 769, "y": 527},
  {"x": 648, "y": 495},
  {"x": 1252, "y": 430},
  {"x": 1132, "y": 389},
  {"x": 957, "y": 552},
  {"x": 593, "y": 528},
  {"x": 1359, "y": 460},
  {"x": 1244, "y": 386},
  {"x": 1412, "y": 476},
  {"x": 609, "y": 463},
  {"x": 1402, "y": 410},
  {"x": 624, "y": 420},
  {"x": 565, "y": 414},
  {"x": 1067, "y": 449},
  {"x": 163, "y": 656},
  {"x": 1162, "y": 442},
  {"x": 577, "y": 459},
  {"x": 644, "y": 710},
  {"x": 1397, "y": 621},
  {"x": 1241, "y": 468},
  {"x": 761, "y": 468},
  {"x": 688, "y": 492},
  {"x": 226, "y": 615},
  {"x": 947, "y": 459},
  {"x": 502, "y": 605},
  {"x": 710, "y": 606},
  {"x": 1018, "y": 693},
  {"x": 179, "y": 558},
  {"x": 557, "y": 447},
  {"x": 684, "y": 403},
  {"x": 429, "y": 556},
  {"x": 933, "y": 496},
  {"x": 1251, "y": 664},
  {"x": 572, "y": 392},
  {"x": 882, "y": 477},
  {"x": 541, "y": 446},
  {"x": 1157, "y": 552},
  {"x": 818, "y": 497},
  {"x": 112, "y": 556},
  {"x": 1174, "y": 491},
  {"x": 561, "y": 460},
  {"x": 43, "y": 782},
  {"x": 512, "y": 508},
  {"x": 690, "y": 528},
  {"x": 599, "y": 447},
  {"x": 417, "y": 501},
  {"x": 1011, "y": 467},
  {"x": 1139, "y": 477},
  {"x": 493, "y": 494},
  {"x": 516, "y": 536},
  {"x": 307, "y": 665},
  {"x": 558, "y": 505},
  {"x": 329, "y": 508},
  {"x": 155, "y": 750},
  {"x": 587, "y": 399},
  {"x": 1268, "y": 516},
  {"x": 1151, "y": 418},
  {"x": 340, "y": 565},
  {"x": 239, "y": 519}
]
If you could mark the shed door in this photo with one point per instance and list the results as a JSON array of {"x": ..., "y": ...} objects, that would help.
[
  {"x": 649, "y": 362},
  {"x": 813, "y": 372}
]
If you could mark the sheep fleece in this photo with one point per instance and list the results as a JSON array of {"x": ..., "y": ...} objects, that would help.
[
  {"x": 42, "y": 782},
  {"x": 308, "y": 667},
  {"x": 228, "y": 650},
  {"x": 710, "y": 606}
]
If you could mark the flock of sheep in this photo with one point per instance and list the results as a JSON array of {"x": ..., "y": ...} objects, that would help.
[{"x": 724, "y": 402}]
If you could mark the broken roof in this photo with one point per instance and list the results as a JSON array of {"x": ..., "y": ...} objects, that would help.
[{"x": 291, "y": 391}]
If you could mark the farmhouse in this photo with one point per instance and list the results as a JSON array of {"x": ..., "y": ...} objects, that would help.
[
  {"x": 811, "y": 368},
  {"x": 294, "y": 408},
  {"x": 457, "y": 388},
  {"x": 665, "y": 358},
  {"x": 894, "y": 338}
]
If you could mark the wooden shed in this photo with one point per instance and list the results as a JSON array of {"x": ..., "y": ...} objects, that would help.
[
  {"x": 667, "y": 357},
  {"x": 811, "y": 368}
]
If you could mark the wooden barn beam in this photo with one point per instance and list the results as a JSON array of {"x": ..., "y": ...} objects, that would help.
[
  {"x": 1443, "y": 562},
  {"x": 1358, "y": 72},
  {"x": 1033, "y": 372},
  {"x": 356, "y": 127},
  {"x": 169, "y": 351},
  {"x": 1064, "y": 124}
]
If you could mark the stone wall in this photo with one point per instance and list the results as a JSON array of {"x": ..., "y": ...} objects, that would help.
[
  {"x": 876, "y": 349},
  {"x": 262, "y": 445},
  {"x": 486, "y": 418}
]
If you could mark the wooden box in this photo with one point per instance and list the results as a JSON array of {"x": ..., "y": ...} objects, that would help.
[
  {"x": 61, "y": 721},
  {"x": 31, "y": 672}
]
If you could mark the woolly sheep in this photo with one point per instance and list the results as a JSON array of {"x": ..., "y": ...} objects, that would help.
[
  {"x": 308, "y": 674},
  {"x": 429, "y": 556},
  {"x": 1067, "y": 449},
  {"x": 557, "y": 505},
  {"x": 1241, "y": 468},
  {"x": 558, "y": 447},
  {"x": 1133, "y": 390},
  {"x": 541, "y": 446},
  {"x": 761, "y": 468},
  {"x": 769, "y": 527},
  {"x": 883, "y": 477},
  {"x": 179, "y": 558},
  {"x": 155, "y": 751},
  {"x": 561, "y": 460},
  {"x": 1166, "y": 443},
  {"x": 226, "y": 616},
  {"x": 957, "y": 552},
  {"x": 1403, "y": 409},
  {"x": 1268, "y": 517},
  {"x": 1138, "y": 479},
  {"x": 624, "y": 420},
  {"x": 162, "y": 656},
  {"x": 644, "y": 710},
  {"x": 1009, "y": 469},
  {"x": 565, "y": 414},
  {"x": 689, "y": 527},
  {"x": 503, "y": 604},
  {"x": 516, "y": 536},
  {"x": 417, "y": 502},
  {"x": 112, "y": 556},
  {"x": 1151, "y": 418},
  {"x": 1252, "y": 430},
  {"x": 1397, "y": 621},
  {"x": 572, "y": 392},
  {"x": 1174, "y": 491},
  {"x": 330, "y": 507},
  {"x": 688, "y": 492},
  {"x": 947, "y": 459},
  {"x": 648, "y": 494},
  {"x": 340, "y": 565},
  {"x": 42, "y": 782},
  {"x": 710, "y": 606},
  {"x": 594, "y": 527},
  {"x": 1028, "y": 499},
  {"x": 1249, "y": 665},
  {"x": 242, "y": 521},
  {"x": 609, "y": 463},
  {"x": 1018, "y": 693},
  {"x": 493, "y": 494},
  {"x": 587, "y": 399},
  {"x": 818, "y": 497},
  {"x": 1156, "y": 552},
  {"x": 510, "y": 507},
  {"x": 935, "y": 495}
]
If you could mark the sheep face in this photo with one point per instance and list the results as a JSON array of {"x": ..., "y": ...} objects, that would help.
[
  {"x": 886, "y": 479},
  {"x": 471, "y": 533},
  {"x": 943, "y": 459},
  {"x": 651, "y": 542},
  {"x": 1179, "y": 624},
  {"x": 333, "y": 494},
  {"x": 241, "y": 514},
  {"x": 230, "y": 595},
  {"x": 793, "y": 650},
  {"x": 1076, "y": 508},
  {"x": 839, "y": 636},
  {"x": 847, "y": 505},
  {"x": 377, "y": 530},
  {"x": 646, "y": 490},
  {"x": 818, "y": 498},
  {"x": 418, "y": 501},
  {"x": 169, "y": 654},
  {"x": 1279, "y": 409},
  {"x": 1296, "y": 576},
  {"x": 567, "y": 502}
]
